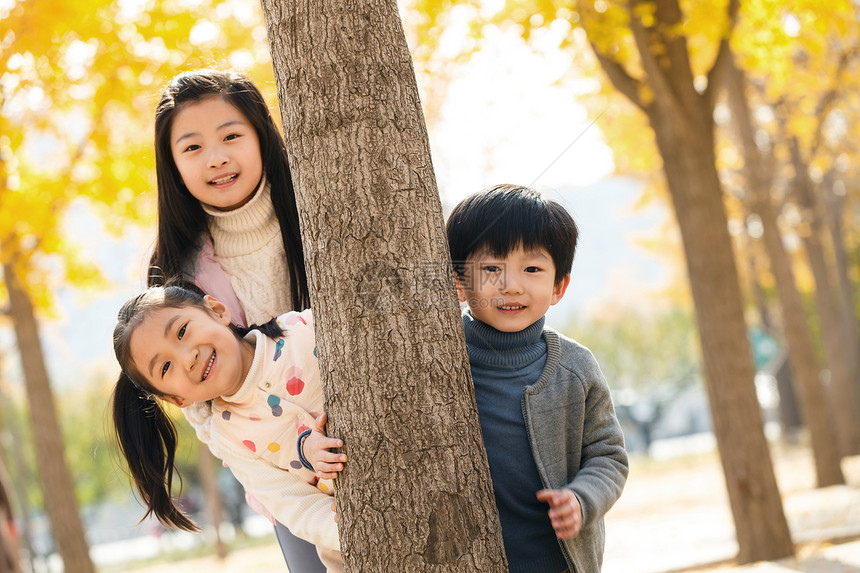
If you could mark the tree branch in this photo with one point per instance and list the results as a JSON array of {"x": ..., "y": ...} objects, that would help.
[
  {"x": 642, "y": 34},
  {"x": 623, "y": 82},
  {"x": 723, "y": 55},
  {"x": 825, "y": 105}
]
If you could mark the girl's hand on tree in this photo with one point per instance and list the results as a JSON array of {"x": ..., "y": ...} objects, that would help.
[
  {"x": 565, "y": 512},
  {"x": 315, "y": 449}
]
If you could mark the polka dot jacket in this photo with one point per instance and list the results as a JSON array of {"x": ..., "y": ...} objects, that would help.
[{"x": 279, "y": 400}]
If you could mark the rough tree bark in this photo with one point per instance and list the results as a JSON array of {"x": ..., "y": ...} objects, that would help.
[
  {"x": 682, "y": 120},
  {"x": 56, "y": 479},
  {"x": 416, "y": 491},
  {"x": 798, "y": 335}
]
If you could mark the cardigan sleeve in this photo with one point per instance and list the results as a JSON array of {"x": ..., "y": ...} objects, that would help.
[{"x": 603, "y": 464}]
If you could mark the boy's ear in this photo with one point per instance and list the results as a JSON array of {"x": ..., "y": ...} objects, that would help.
[
  {"x": 460, "y": 294},
  {"x": 560, "y": 288},
  {"x": 218, "y": 307}
]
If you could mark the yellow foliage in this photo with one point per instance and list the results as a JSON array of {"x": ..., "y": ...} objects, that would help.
[{"x": 78, "y": 96}]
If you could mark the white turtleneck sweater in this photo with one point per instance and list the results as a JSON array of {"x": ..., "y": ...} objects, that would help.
[{"x": 250, "y": 250}]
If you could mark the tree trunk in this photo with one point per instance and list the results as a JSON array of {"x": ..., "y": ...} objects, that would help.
[
  {"x": 416, "y": 491},
  {"x": 212, "y": 495},
  {"x": 682, "y": 120},
  {"x": 798, "y": 335},
  {"x": 789, "y": 409},
  {"x": 801, "y": 353},
  {"x": 56, "y": 479},
  {"x": 762, "y": 529},
  {"x": 841, "y": 389},
  {"x": 834, "y": 205}
]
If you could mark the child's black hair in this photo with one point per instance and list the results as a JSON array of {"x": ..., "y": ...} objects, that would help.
[
  {"x": 145, "y": 433},
  {"x": 501, "y": 218}
]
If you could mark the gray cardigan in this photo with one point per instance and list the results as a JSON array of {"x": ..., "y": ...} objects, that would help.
[{"x": 576, "y": 441}]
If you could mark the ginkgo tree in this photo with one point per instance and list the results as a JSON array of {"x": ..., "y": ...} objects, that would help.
[
  {"x": 803, "y": 62},
  {"x": 79, "y": 88}
]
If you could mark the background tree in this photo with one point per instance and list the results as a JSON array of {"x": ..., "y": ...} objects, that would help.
[
  {"x": 645, "y": 55},
  {"x": 801, "y": 352},
  {"x": 77, "y": 91},
  {"x": 392, "y": 349},
  {"x": 801, "y": 78}
]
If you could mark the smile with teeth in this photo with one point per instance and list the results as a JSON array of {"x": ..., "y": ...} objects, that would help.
[
  {"x": 208, "y": 366},
  {"x": 511, "y": 307},
  {"x": 225, "y": 179}
]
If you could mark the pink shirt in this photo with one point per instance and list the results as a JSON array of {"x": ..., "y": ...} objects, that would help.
[{"x": 211, "y": 278}]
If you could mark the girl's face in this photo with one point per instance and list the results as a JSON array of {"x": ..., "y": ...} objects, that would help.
[
  {"x": 189, "y": 354},
  {"x": 217, "y": 153}
]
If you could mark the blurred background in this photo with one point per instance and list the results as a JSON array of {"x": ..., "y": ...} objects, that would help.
[{"x": 555, "y": 95}]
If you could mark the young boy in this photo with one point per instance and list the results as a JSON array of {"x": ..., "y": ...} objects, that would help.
[{"x": 546, "y": 414}]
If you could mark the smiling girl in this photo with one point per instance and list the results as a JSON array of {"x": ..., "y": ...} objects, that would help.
[{"x": 178, "y": 346}]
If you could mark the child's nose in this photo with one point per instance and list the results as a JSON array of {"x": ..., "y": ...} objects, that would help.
[
  {"x": 511, "y": 284},
  {"x": 217, "y": 158},
  {"x": 191, "y": 359}
]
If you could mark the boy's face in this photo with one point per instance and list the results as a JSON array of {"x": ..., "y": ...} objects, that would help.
[{"x": 513, "y": 292}]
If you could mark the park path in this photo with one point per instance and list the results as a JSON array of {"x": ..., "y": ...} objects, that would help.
[{"x": 673, "y": 517}]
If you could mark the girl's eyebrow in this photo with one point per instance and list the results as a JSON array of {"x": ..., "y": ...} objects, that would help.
[
  {"x": 222, "y": 126},
  {"x": 229, "y": 123},
  {"x": 167, "y": 328},
  {"x": 184, "y": 136}
]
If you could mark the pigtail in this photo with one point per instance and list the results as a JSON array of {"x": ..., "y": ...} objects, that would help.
[
  {"x": 271, "y": 329},
  {"x": 147, "y": 439}
]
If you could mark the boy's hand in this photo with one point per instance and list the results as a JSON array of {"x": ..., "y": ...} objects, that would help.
[
  {"x": 316, "y": 448},
  {"x": 565, "y": 513}
]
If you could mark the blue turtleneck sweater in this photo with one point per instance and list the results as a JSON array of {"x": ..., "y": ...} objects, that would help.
[{"x": 503, "y": 364}]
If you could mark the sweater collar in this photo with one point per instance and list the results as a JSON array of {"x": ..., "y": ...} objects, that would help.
[
  {"x": 247, "y": 228},
  {"x": 488, "y": 346}
]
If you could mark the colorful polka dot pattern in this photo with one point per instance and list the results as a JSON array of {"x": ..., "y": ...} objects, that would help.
[
  {"x": 274, "y": 403},
  {"x": 283, "y": 395},
  {"x": 295, "y": 384}
]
